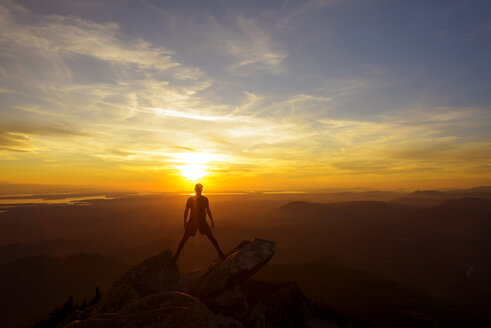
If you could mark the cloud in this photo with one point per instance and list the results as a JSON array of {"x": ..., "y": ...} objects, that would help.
[
  {"x": 250, "y": 47},
  {"x": 70, "y": 36},
  {"x": 24, "y": 136},
  {"x": 407, "y": 141},
  {"x": 189, "y": 115},
  {"x": 303, "y": 8},
  {"x": 247, "y": 47},
  {"x": 66, "y": 69},
  {"x": 13, "y": 142},
  {"x": 62, "y": 128}
]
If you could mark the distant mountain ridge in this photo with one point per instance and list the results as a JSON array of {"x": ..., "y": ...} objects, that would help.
[
  {"x": 442, "y": 249},
  {"x": 428, "y": 198},
  {"x": 366, "y": 296},
  {"x": 51, "y": 247},
  {"x": 380, "y": 207},
  {"x": 481, "y": 205},
  {"x": 66, "y": 247}
]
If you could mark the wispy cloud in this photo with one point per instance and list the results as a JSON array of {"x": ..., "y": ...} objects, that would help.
[
  {"x": 191, "y": 115},
  {"x": 15, "y": 142},
  {"x": 250, "y": 47},
  {"x": 303, "y": 8},
  {"x": 71, "y": 36}
]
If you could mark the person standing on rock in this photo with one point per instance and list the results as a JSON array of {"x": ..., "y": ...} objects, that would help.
[{"x": 199, "y": 206}]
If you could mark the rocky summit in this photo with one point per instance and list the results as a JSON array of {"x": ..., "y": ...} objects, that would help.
[
  {"x": 220, "y": 294},
  {"x": 241, "y": 263},
  {"x": 154, "y": 275}
]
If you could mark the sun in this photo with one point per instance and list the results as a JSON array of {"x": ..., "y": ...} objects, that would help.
[
  {"x": 192, "y": 165},
  {"x": 193, "y": 171}
]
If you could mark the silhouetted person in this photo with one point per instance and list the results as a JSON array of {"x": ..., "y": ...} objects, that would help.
[{"x": 199, "y": 207}]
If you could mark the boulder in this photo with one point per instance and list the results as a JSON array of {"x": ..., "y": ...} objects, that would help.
[
  {"x": 264, "y": 304},
  {"x": 240, "y": 264},
  {"x": 231, "y": 302},
  {"x": 154, "y": 275},
  {"x": 276, "y": 304}
]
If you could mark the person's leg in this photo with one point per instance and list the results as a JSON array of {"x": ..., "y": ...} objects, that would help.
[
  {"x": 181, "y": 245},
  {"x": 215, "y": 243}
]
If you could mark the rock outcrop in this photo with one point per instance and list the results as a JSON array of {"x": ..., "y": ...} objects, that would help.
[
  {"x": 171, "y": 309},
  {"x": 221, "y": 295},
  {"x": 241, "y": 263},
  {"x": 154, "y": 275}
]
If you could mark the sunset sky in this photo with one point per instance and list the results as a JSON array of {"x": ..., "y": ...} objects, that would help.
[{"x": 245, "y": 95}]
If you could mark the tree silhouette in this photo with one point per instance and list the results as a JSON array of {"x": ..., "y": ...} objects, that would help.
[
  {"x": 57, "y": 316},
  {"x": 97, "y": 296}
]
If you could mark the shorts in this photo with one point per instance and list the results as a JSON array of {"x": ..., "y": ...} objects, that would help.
[{"x": 202, "y": 226}]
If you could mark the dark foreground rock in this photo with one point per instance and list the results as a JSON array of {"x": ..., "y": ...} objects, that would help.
[
  {"x": 263, "y": 304},
  {"x": 170, "y": 309},
  {"x": 241, "y": 263},
  {"x": 154, "y": 275},
  {"x": 158, "y": 318},
  {"x": 152, "y": 294}
]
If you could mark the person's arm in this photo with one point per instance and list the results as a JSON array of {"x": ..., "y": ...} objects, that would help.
[
  {"x": 186, "y": 212},
  {"x": 209, "y": 214}
]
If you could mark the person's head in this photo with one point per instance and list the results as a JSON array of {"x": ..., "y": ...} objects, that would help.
[{"x": 198, "y": 188}]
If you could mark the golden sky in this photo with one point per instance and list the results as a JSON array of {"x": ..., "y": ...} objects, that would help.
[{"x": 277, "y": 97}]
